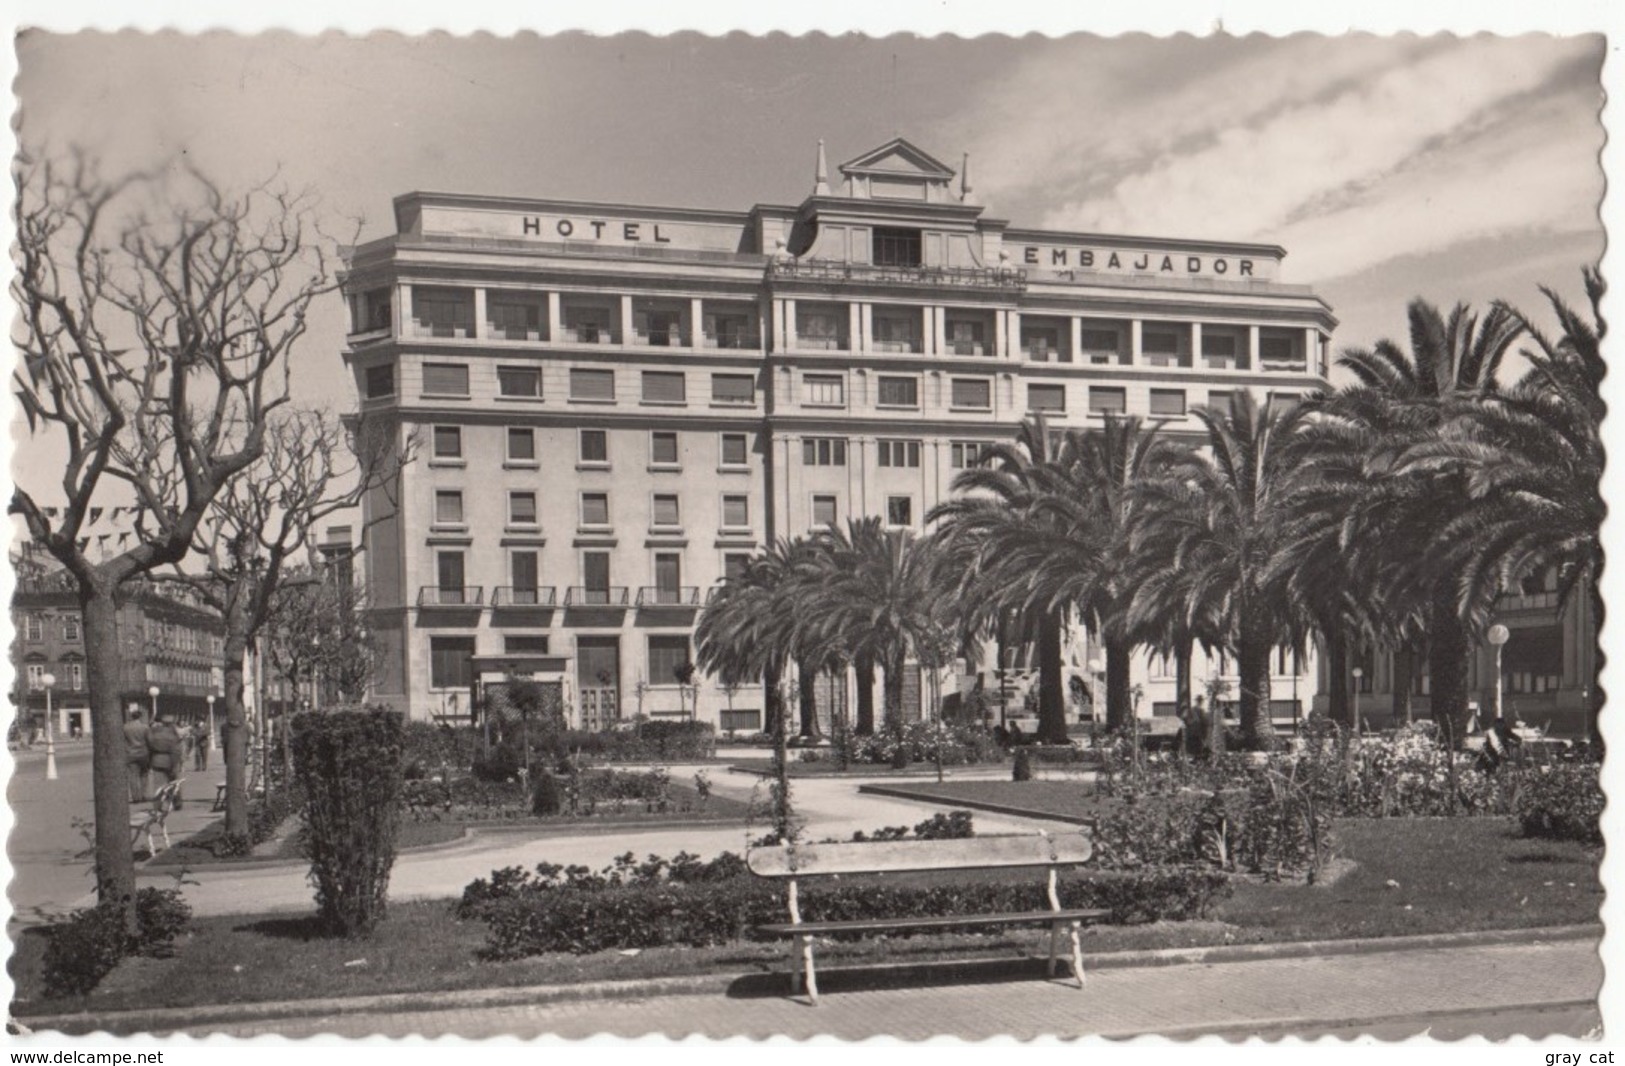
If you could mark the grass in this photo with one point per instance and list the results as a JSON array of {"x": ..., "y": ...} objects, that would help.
[{"x": 1452, "y": 875}]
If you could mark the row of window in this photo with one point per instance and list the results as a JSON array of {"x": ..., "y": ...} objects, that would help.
[
  {"x": 32, "y": 627},
  {"x": 976, "y": 394},
  {"x": 593, "y": 447},
  {"x": 451, "y": 658},
  {"x": 69, "y": 676},
  {"x": 665, "y": 510},
  {"x": 591, "y": 385}
]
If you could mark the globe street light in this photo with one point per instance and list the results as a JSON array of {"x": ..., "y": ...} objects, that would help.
[
  {"x": 212, "y": 745},
  {"x": 1359, "y": 672},
  {"x": 49, "y": 682},
  {"x": 153, "y": 692},
  {"x": 1498, "y": 636}
]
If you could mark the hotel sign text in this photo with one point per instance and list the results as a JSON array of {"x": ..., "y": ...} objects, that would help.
[
  {"x": 1135, "y": 262},
  {"x": 595, "y": 229}
]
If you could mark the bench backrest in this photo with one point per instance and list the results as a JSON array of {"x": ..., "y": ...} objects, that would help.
[{"x": 885, "y": 856}]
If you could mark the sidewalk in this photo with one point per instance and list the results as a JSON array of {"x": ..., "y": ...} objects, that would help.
[{"x": 1300, "y": 991}]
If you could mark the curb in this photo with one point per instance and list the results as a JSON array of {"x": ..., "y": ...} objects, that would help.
[{"x": 161, "y": 1020}]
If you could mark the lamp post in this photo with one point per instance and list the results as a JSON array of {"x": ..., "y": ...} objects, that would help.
[
  {"x": 1498, "y": 636},
  {"x": 212, "y": 745},
  {"x": 1358, "y": 672},
  {"x": 49, "y": 682},
  {"x": 153, "y": 692}
]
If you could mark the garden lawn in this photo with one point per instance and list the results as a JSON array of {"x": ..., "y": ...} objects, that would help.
[{"x": 1452, "y": 875}]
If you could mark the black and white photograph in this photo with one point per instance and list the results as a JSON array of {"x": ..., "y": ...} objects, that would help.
[{"x": 859, "y": 534}]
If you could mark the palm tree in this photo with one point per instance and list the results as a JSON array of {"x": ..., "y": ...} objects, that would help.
[
  {"x": 1220, "y": 519},
  {"x": 871, "y": 596},
  {"x": 994, "y": 539},
  {"x": 1409, "y": 492}
]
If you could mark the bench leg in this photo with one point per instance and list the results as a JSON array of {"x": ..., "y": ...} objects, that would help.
[
  {"x": 795, "y": 966},
  {"x": 1077, "y": 953},
  {"x": 1054, "y": 935},
  {"x": 807, "y": 964}
]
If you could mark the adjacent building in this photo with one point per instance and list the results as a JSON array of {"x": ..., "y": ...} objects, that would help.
[{"x": 615, "y": 405}]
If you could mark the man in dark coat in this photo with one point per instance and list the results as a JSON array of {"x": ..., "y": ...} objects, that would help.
[
  {"x": 138, "y": 754},
  {"x": 168, "y": 750}
]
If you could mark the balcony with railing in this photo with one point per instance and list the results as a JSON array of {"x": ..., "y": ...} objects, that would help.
[
  {"x": 656, "y": 596},
  {"x": 521, "y": 596},
  {"x": 608, "y": 596},
  {"x": 833, "y": 272},
  {"x": 510, "y": 318},
  {"x": 584, "y": 321},
  {"x": 443, "y": 313},
  {"x": 451, "y": 596}
]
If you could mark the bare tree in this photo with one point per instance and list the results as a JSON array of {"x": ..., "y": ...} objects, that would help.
[
  {"x": 156, "y": 317},
  {"x": 312, "y": 468}
]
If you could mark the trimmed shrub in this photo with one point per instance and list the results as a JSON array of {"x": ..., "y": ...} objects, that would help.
[
  {"x": 1562, "y": 802},
  {"x": 501, "y": 763},
  {"x": 526, "y": 916},
  {"x": 348, "y": 764},
  {"x": 1022, "y": 769},
  {"x": 91, "y": 942},
  {"x": 546, "y": 798},
  {"x": 955, "y": 825}
]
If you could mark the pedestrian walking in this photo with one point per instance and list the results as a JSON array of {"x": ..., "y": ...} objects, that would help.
[
  {"x": 200, "y": 746},
  {"x": 138, "y": 754},
  {"x": 167, "y": 751}
]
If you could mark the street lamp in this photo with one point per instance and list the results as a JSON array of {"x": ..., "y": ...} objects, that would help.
[
  {"x": 1498, "y": 636},
  {"x": 49, "y": 682},
  {"x": 1358, "y": 672},
  {"x": 212, "y": 745},
  {"x": 153, "y": 692}
]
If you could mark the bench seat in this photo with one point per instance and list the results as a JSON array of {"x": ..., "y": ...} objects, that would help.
[{"x": 953, "y": 921}]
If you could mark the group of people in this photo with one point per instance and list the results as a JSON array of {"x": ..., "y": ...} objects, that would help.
[{"x": 161, "y": 748}]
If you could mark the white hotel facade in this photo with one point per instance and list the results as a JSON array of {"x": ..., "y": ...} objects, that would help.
[{"x": 616, "y": 405}]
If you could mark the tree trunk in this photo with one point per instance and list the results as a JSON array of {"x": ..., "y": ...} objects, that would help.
[
  {"x": 1404, "y": 657},
  {"x": 865, "y": 667},
  {"x": 1119, "y": 654},
  {"x": 893, "y": 688},
  {"x": 1183, "y": 651},
  {"x": 778, "y": 722},
  {"x": 1447, "y": 664},
  {"x": 1337, "y": 679},
  {"x": 110, "y": 772},
  {"x": 807, "y": 690},
  {"x": 1051, "y": 686},
  {"x": 236, "y": 735},
  {"x": 1253, "y": 664}
]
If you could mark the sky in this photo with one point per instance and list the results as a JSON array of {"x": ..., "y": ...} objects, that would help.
[{"x": 1389, "y": 167}]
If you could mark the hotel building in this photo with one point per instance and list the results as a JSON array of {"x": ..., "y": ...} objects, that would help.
[{"x": 615, "y": 405}]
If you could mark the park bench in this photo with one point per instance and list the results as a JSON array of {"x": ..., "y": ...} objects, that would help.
[{"x": 796, "y": 862}]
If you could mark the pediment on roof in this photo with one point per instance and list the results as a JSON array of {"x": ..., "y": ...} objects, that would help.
[{"x": 898, "y": 158}]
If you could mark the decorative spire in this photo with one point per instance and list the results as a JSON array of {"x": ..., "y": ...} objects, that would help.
[
  {"x": 821, "y": 179},
  {"x": 964, "y": 178}
]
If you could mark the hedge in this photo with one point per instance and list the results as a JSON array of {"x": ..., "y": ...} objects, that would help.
[{"x": 91, "y": 942}]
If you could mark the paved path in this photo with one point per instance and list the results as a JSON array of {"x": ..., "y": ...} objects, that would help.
[
  {"x": 830, "y": 807},
  {"x": 1546, "y": 984}
]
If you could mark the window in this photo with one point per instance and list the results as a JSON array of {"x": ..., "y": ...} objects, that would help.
[
  {"x": 665, "y": 510},
  {"x": 731, "y": 331},
  {"x": 735, "y": 512},
  {"x": 595, "y": 508},
  {"x": 526, "y": 575},
  {"x": 818, "y": 329},
  {"x": 964, "y": 337},
  {"x": 898, "y": 452},
  {"x": 973, "y": 393},
  {"x": 525, "y": 643},
  {"x": 1046, "y": 397},
  {"x": 1220, "y": 400},
  {"x": 595, "y": 576},
  {"x": 451, "y": 662},
  {"x": 668, "y": 576},
  {"x": 521, "y": 444},
  {"x": 1221, "y": 344},
  {"x": 667, "y": 655},
  {"x": 663, "y": 448},
  {"x": 522, "y": 508},
  {"x": 964, "y": 454},
  {"x": 449, "y": 576},
  {"x": 374, "y": 310},
  {"x": 827, "y": 389},
  {"x": 448, "y": 507},
  {"x": 1287, "y": 663},
  {"x": 1168, "y": 403},
  {"x": 900, "y": 510},
  {"x": 595, "y": 446},
  {"x": 514, "y": 319},
  {"x": 1040, "y": 344},
  {"x": 735, "y": 449},
  {"x": 380, "y": 381},
  {"x": 445, "y": 379},
  {"x": 1099, "y": 340},
  {"x": 663, "y": 329},
  {"x": 733, "y": 388},
  {"x": 660, "y": 386},
  {"x": 34, "y": 628},
  {"x": 444, "y": 314},
  {"x": 586, "y": 325},
  {"x": 519, "y": 381},
  {"x": 448, "y": 442},
  {"x": 823, "y": 511},
  {"x": 823, "y": 451},
  {"x": 1276, "y": 350},
  {"x": 76, "y": 676},
  {"x": 899, "y": 392},
  {"x": 734, "y": 566},
  {"x": 1159, "y": 343},
  {"x": 896, "y": 247},
  {"x": 36, "y": 676},
  {"x": 896, "y": 332},
  {"x": 1105, "y": 399},
  {"x": 592, "y": 385},
  {"x": 70, "y": 627}
]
